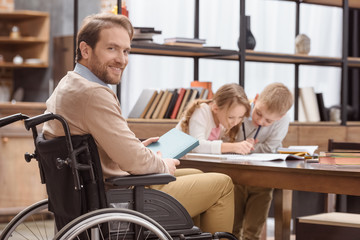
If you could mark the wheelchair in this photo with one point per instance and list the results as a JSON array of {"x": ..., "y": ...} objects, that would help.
[{"x": 82, "y": 209}]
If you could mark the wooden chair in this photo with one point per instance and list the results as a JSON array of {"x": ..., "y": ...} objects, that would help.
[{"x": 334, "y": 202}]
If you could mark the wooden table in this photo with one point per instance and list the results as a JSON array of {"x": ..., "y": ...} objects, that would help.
[{"x": 285, "y": 176}]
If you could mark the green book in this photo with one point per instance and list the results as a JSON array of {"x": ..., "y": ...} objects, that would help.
[{"x": 174, "y": 144}]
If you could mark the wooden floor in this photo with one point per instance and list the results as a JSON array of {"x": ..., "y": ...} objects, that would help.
[{"x": 270, "y": 229}]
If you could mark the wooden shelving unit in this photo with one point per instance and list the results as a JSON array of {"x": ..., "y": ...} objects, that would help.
[{"x": 33, "y": 43}]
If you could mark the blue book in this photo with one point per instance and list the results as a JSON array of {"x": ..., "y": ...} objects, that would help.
[{"x": 174, "y": 144}]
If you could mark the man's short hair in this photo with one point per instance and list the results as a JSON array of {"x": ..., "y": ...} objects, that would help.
[
  {"x": 93, "y": 24},
  {"x": 277, "y": 98}
]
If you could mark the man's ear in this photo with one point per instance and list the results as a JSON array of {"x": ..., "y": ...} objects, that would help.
[{"x": 85, "y": 49}]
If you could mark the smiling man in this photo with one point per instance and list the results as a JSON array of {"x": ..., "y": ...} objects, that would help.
[
  {"x": 85, "y": 100},
  {"x": 268, "y": 110}
]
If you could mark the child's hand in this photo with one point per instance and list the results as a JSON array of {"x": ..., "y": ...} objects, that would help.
[
  {"x": 244, "y": 147},
  {"x": 252, "y": 141}
]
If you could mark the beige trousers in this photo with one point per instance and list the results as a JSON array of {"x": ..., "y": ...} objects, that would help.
[
  {"x": 208, "y": 195},
  {"x": 251, "y": 210}
]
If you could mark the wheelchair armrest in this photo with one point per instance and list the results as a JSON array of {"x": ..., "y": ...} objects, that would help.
[
  {"x": 141, "y": 180},
  {"x": 12, "y": 118}
]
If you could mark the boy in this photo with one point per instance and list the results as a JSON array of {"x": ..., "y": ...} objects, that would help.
[{"x": 268, "y": 110}]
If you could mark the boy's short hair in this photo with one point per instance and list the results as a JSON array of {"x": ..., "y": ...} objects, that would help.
[{"x": 277, "y": 98}]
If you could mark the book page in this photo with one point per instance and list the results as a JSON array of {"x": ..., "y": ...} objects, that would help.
[
  {"x": 250, "y": 157},
  {"x": 310, "y": 149}
]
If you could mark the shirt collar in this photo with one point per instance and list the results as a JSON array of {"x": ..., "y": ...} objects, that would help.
[
  {"x": 86, "y": 73},
  {"x": 251, "y": 110}
]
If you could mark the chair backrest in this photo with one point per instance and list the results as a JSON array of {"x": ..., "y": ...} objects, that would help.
[
  {"x": 70, "y": 168},
  {"x": 343, "y": 146}
]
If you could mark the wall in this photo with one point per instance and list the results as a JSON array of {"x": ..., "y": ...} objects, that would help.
[{"x": 36, "y": 81}]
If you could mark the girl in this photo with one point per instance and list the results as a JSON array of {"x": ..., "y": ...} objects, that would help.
[{"x": 212, "y": 119}]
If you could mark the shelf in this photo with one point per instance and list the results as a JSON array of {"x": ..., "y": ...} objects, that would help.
[
  {"x": 22, "y": 14},
  {"x": 179, "y": 51},
  {"x": 216, "y": 53},
  {"x": 338, "y": 3},
  {"x": 27, "y": 108},
  {"x": 24, "y": 65},
  {"x": 22, "y": 40},
  {"x": 23, "y": 105}
]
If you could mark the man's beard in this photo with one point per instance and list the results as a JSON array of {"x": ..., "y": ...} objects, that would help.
[{"x": 100, "y": 70}]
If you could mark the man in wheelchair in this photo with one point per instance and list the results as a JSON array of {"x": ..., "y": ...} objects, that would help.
[{"x": 85, "y": 100}]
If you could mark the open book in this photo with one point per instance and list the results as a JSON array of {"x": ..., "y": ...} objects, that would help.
[
  {"x": 299, "y": 150},
  {"x": 249, "y": 157},
  {"x": 174, "y": 144}
]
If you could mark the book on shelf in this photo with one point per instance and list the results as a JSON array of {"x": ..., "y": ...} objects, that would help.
[
  {"x": 171, "y": 104},
  {"x": 206, "y": 85},
  {"x": 154, "y": 104},
  {"x": 181, "y": 95},
  {"x": 340, "y": 158},
  {"x": 182, "y": 44},
  {"x": 258, "y": 157},
  {"x": 310, "y": 104},
  {"x": 149, "y": 103},
  {"x": 174, "y": 144},
  {"x": 204, "y": 93},
  {"x": 144, "y": 34},
  {"x": 184, "y": 40},
  {"x": 324, "y": 112},
  {"x": 160, "y": 104},
  {"x": 165, "y": 105},
  {"x": 185, "y": 100},
  {"x": 301, "y": 111},
  {"x": 141, "y": 104}
]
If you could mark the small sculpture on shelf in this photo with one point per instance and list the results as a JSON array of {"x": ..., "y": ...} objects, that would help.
[
  {"x": 15, "y": 32},
  {"x": 18, "y": 59},
  {"x": 302, "y": 44},
  {"x": 250, "y": 39}
]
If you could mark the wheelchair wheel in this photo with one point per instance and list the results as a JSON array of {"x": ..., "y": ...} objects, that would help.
[
  {"x": 34, "y": 222},
  {"x": 112, "y": 223}
]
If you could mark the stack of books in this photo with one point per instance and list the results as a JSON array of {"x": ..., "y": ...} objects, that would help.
[
  {"x": 340, "y": 158},
  {"x": 166, "y": 104},
  {"x": 185, "y": 42},
  {"x": 311, "y": 106},
  {"x": 307, "y": 151},
  {"x": 144, "y": 34}
]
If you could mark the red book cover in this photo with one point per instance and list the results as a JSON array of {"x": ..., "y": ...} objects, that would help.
[{"x": 178, "y": 103}]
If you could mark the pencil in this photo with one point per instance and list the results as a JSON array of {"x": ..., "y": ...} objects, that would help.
[
  {"x": 243, "y": 127},
  {"x": 257, "y": 132}
]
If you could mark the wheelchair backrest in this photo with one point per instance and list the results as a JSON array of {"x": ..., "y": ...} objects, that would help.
[{"x": 71, "y": 170}]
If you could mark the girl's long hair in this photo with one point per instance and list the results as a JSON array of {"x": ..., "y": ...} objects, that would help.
[{"x": 225, "y": 97}]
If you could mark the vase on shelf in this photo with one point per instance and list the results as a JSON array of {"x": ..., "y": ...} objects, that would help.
[{"x": 250, "y": 39}]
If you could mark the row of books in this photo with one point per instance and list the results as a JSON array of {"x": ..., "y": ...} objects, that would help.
[
  {"x": 166, "y": 104},
  {"x": 311, "y": 106}
]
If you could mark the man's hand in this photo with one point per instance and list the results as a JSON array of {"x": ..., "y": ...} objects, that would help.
[
  {"x": 150, "y": 140},
  {"x": 170, "y": 162}
]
